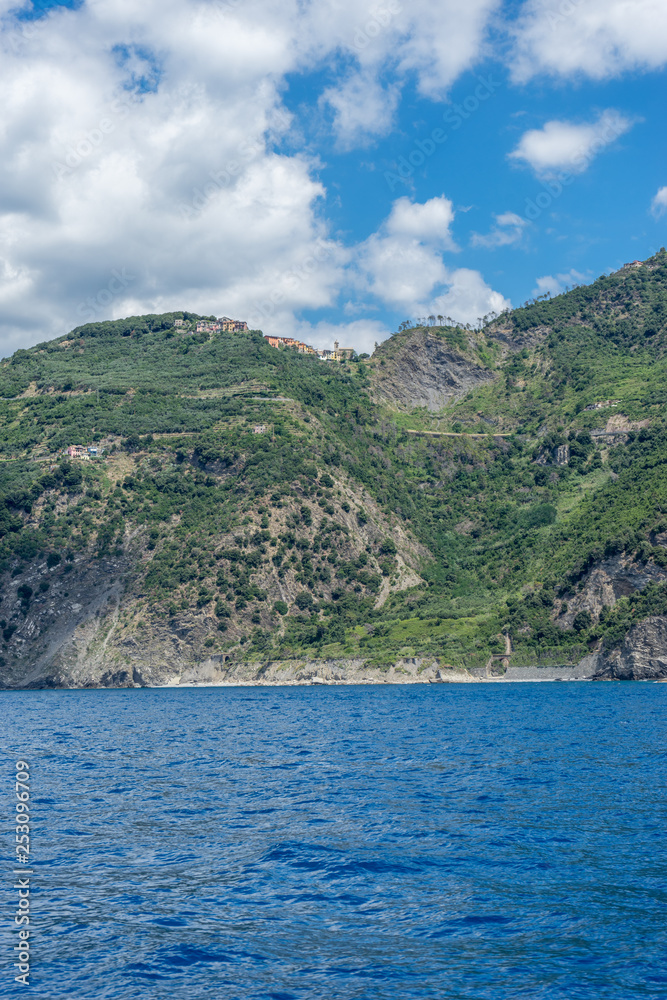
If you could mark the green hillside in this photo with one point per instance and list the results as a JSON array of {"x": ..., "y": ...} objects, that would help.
[{"x": 258, "y": 503}]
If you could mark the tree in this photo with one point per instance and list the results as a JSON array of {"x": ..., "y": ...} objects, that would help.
[{"x": 582, "y": 621}]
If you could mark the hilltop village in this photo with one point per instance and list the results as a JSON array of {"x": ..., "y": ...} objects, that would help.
[
  {"x": 224, "y": 324},
  {"x": 338, "y": 353}
]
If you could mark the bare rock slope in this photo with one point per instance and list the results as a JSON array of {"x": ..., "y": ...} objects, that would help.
[
  {"x": 424, "y": 369},
  {"x": 642, "y": 655},
  {"x": 606, "y": 582}
]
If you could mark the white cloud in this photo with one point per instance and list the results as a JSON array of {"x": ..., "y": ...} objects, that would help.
[
  {"x": 659, "y": 203},
  {"x": 594, "y": 38},
  {"x": 402, "y": 264},
  {"x": 443, "y": 40},
  {"x": 401, "y": 273},
  {"x": 176, "y": 187},
  {"x": 363, "y": 109},
  {"x": 551, "y": 284},
  {"x": 434, "y": 41},
  {"x": 429, "y": 222},
  {"x": 467, "y": 298},
  {"x": 562, "y": 145},
  {"x": 509, "y": 229},
  {"x": 136, "y": 140}
]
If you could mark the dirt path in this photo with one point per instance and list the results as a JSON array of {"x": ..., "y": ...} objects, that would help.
[{"x": 460, "y": 434}]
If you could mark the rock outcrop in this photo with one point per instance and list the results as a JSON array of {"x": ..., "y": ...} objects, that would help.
[
  {"x": 425, "y": 370},
  {"x": 642, "y": 655},
  {"x": 606, "y": 582}
]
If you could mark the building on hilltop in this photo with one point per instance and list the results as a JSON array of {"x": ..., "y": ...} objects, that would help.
[
  {"x": 338, "y": 354},
  {"x": 342, "y": 353},
  {"x": 290, "y": 342},
  {"x": 179, "y": 322},
  {"x": 232, "y": 325},
  {"x": 224, "y": 323}
]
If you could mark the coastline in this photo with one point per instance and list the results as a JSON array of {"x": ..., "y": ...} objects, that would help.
[
  {"x": 216, "y": 672},
  {"x": 221, "y": 671},
  {"x": 414, "y": 670}
]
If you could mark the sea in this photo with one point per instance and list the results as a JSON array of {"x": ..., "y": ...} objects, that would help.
[{"x": 477, "y": 841}]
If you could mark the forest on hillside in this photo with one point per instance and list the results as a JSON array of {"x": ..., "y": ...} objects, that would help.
[{"x": 506, "y": 529}]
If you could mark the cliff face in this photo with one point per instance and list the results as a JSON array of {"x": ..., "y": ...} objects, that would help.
[
  {"x": 619, "y": 576},
  {"x": 425, "y": 370},
  {"x": 642, "y": 655},
  {"x": 46, "y": 633}
]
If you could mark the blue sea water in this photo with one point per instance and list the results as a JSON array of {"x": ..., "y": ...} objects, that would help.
[{"x": 440, "y": 842}]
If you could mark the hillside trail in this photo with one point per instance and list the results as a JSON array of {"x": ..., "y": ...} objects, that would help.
[{"x": 503, "y": 657}]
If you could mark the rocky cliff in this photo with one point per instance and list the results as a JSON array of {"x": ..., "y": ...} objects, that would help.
[
  {"x": 606, "y": 583},
  {"x": 425, "y": 369},
  {"x": 641, "y": 656}
]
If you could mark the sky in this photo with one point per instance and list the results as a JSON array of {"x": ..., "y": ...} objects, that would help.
[{"x": 324, "y": 169}]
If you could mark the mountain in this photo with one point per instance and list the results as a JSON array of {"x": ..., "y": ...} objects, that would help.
[{"x": 464, "y": 503}]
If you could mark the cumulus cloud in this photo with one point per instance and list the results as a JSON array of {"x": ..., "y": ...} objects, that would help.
[
  {"x": 467, "y": 297},
  {"x": 138, "y": 162},
  {"x": 103, "y": 169},
  {"x": 562, "y": 145},
  {"x": 401, "y": 274},
  {"x": 509, "y": 229},
  {"x": 429, "y": 222},
  {"x": 659, "y": 203},
  {"x": 363, "y": 109},
  {"x": 594, "y": 38},
  {"x": 554, "y": 284},
  {"x": 443, "y": 39},
  {"x": 403, "y": 264},
  {"x": 433, "y": 42}
]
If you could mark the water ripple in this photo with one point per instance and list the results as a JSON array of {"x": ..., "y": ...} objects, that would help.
[{"x": 417, "y": 843}]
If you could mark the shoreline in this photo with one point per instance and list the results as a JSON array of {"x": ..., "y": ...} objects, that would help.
[
  {"x": 215, "y": 671},
  {"x": 211, "y": 685}
]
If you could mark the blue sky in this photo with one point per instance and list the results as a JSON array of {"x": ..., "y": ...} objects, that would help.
[{"x": 327, "y": 169}]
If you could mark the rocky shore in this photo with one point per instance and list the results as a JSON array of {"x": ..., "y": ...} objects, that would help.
[
  {"x": 215, "y": 672},
  {"x": 83, "y": 662}
]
